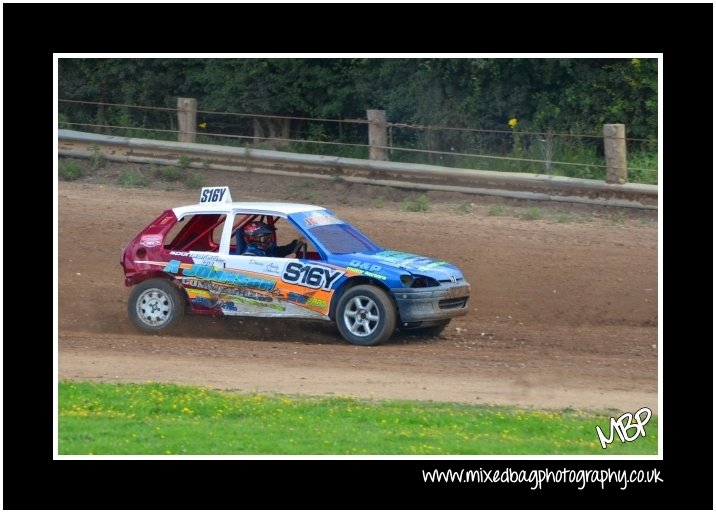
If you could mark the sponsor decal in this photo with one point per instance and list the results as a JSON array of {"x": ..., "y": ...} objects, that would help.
[
  {"x": 196, "y": 255},
  {"x": 204, "y": 257},
  {"x": 432, "y": 265},
  {"x": 271, "y": 268},
  {"x": 223, "y": 290},
  {"x": 367, "y": 273},
  {"x": 203, "y": 301},
  {"x": 314, "y": 302},
  {"x": 228, "y": 306},
  {"x": 319, "y": 218},
  {"x": 266, "y": 267},
  {"x": 400, "y": 259},
  {"x": 150, "y": 241},
  {"x": 365, "y": 266},
  {"x": 366, "y": 269},
  {"x": 219, "y": 275},
  {"x": 231, "y": 305}
]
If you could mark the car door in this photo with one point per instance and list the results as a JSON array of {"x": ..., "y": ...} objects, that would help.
[{"x": 273, "y": 286}]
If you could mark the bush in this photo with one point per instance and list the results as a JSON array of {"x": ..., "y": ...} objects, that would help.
[
  {"x": 71, "y": 171},
  {"x": 418, "y": 205},
  {"x": 169, "y": 174},
  {"x": 132, "y": 179}
]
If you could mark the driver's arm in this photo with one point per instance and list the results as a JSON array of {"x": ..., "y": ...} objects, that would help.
[{"x": 289, "y": 248}]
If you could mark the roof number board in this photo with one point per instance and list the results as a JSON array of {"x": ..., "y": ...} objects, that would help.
[{"x": 215, "y": 195}]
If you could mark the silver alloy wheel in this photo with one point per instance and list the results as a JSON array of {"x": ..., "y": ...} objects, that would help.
[
  {"x": 361, "y": 316},
  {"x": 155, "y": 307}
]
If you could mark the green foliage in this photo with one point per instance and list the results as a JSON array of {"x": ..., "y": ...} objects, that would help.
[
  {"x": 169, "y": 173},
  {"x": 71, "y": 170},
  {"x": 102, "y": 418},
  {"x": 464, "y": 208},
  {"x": 193, "y": 181},
  {"x": 617, "y": 218},
  {"x": 97, "y": 159},
  {"x": 553, "y": 95},
  {"x": 129, "y": 178},
  {"x": 184, "y": 161},
  {"x": 643, "y": 168},
  {"x": 378, "y": 202},
  {"x": 531, "y": 214},
  {"x": 498, "y": 210},
  {"x": 63, "y": 121},
  {"x": 418, "y": 205}
]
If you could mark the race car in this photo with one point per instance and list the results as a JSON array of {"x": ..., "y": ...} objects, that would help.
[{"x": 194, "y": 259}]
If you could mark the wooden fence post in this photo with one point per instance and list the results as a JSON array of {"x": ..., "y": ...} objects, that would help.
[
  {"x": 187, "y": 119},
  {"x": 615, "y": 153},
  {"x": 377, "y": 135}
]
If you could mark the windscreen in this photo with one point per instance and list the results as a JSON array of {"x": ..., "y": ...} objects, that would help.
[{"x": 341, "y": 238}]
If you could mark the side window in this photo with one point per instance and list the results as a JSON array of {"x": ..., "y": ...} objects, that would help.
[
  {"x": 286, "y": 232},
  {"x": 196, "y": 232}
]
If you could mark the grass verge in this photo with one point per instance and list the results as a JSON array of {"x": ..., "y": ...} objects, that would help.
[{"x": 152, "y": 418}]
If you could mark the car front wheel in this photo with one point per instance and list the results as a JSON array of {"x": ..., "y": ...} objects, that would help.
[
  {"x": 365, "y": 315},
  {"x": 155, "y": 305}
]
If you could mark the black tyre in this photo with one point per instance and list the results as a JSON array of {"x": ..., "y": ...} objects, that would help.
[
  {"x": 365, "y": 315},
  {"x": 429, "y": 331},
  {"x": 155, "y": 305}
]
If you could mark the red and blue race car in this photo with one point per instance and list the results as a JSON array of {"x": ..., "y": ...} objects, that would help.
[{"x": 198, "y": 259}]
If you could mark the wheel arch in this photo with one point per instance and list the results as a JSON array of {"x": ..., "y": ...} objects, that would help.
[
  {"x": 352, "y": 282},
  {"x": 149, "y": 275}
]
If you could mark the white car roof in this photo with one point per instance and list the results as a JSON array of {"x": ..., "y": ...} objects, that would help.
[{"x": 246, "y": 207}]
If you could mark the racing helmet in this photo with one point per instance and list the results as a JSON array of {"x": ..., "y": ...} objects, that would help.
[{"x": 258, "y": 234}]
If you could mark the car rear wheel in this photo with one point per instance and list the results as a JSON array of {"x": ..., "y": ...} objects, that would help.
[
  {"x": 365, "y": 315},
  {"x": 155, "y": 305}
]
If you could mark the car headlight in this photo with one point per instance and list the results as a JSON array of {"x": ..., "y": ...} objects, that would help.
[{"x": 417, "y": 281}]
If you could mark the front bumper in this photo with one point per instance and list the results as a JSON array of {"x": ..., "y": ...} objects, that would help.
[{"x": 425, "y": 305}]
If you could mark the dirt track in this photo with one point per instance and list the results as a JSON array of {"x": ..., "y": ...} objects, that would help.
[{"x": 563, "y": 314}]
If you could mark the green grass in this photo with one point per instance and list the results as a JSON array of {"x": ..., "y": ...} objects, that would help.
[
  {"x": 132, "y": 179},
  {"x": 419, "y": 204},
  {"x": 643, "y": 168},
  {"x": 169, "y": 173},
  {"x": 96, "y": 418},
  {"x": 499, "y": 210},
  {"x": 378, "y": 202},
  {"x": 71, "y": 170},
  {"x": 97, "y": 159},
  {"x": 184, "y": 161},
  {"x": 464, "y": 208},
  {"x": 531, "y": 214}
]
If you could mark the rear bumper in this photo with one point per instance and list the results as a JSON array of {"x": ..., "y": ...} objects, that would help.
[{"x": 425, "y": 305}]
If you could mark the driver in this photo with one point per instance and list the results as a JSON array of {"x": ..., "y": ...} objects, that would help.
[{"x": 259, "y": 242}]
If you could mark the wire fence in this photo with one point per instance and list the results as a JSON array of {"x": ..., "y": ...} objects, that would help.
[{"x": 563, "y": 154}]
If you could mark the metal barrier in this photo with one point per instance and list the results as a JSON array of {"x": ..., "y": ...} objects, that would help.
[{"x": 393, "y": 174}]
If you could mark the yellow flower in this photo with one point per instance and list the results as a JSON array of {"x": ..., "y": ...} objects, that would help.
[
  {"x": 202, "y": 125},
  {"x": 512, "y": 122}
]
